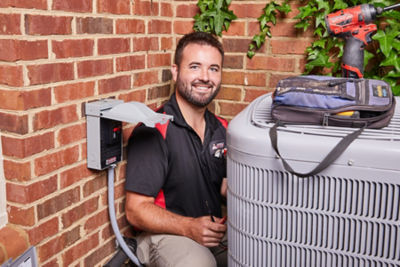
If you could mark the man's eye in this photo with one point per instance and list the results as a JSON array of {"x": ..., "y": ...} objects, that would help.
[
  {"x": 215, "y": 69},
  {"x": 194, "y": 67}
]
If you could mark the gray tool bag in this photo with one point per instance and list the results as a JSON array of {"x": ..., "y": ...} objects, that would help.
[{"x": 330, "y": 101}]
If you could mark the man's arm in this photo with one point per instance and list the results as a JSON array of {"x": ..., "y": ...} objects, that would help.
[
  {"x": 142, "y": 213},
  {"x": 224, "y": 187}
]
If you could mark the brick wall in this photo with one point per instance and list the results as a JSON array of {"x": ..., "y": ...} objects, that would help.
[{"x": 55, "y": 55}]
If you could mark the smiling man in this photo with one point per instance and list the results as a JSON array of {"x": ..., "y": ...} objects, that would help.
[{"x": 175, "y": 172}]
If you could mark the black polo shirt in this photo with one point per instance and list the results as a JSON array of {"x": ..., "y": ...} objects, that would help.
[{"x": 171, "y": 164}]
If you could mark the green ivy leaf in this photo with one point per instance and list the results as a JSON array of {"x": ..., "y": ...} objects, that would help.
[
  {"x": 339, "y": 4},
  {"x": 285, "y": 8},
  {"x": 250, "y": 53},
  {"x": 302, "y": 24},
  {"x": 385, "y": 40},
  {"x": 392, "y": 60},
  {"x": 305, "y": 11}
]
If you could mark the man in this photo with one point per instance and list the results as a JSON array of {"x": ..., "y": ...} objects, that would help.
[{"x": 175, "y": 172}]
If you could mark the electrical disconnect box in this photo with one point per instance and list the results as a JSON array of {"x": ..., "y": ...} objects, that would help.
[{"x": 104, "y": 128}]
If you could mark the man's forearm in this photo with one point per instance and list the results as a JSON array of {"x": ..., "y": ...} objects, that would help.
[{"x": 152, "y": 218}]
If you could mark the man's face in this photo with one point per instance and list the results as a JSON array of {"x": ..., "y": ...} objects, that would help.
[{"x": 198, "y": 78}]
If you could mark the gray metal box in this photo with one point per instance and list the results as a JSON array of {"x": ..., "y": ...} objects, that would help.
[{"x": 347, "y": 215}]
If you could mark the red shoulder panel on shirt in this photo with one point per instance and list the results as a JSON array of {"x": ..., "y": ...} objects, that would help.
[{"x": 223, "y": 121}]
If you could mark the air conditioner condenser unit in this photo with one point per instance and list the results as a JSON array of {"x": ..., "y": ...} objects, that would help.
[{"x": 347, "y": 215}]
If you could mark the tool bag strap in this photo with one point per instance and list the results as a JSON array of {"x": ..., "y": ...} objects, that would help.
[{"x": 329, "y": 159}]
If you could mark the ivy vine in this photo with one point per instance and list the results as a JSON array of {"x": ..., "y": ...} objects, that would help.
[
  {"x": 381, "y": 60},
  {"x": 214, "y": 16}
]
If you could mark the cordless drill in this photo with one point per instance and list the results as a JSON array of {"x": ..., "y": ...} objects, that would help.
[{"x": 355, "y": 26}]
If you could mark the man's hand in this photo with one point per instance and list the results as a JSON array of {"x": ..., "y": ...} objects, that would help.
[{"x": 206, "y": 232}]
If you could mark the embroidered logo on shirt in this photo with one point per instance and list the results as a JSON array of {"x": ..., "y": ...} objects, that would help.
[{"x": 218, "y": 150}]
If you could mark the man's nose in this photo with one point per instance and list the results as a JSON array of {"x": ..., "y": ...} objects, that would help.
[{"x": 204, "y": 75}]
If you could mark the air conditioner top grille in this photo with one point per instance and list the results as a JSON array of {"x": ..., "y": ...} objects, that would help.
[{"x": 261, "y": 117}]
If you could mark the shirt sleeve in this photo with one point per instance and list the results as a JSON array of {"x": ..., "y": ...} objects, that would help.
[{"x": 147, "y": 161}]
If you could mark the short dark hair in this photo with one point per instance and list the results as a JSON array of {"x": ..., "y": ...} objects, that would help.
[{"x": 201, "y": 38}]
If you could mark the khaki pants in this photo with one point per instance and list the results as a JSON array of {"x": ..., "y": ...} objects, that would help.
[{"x": 177, "y": 251}]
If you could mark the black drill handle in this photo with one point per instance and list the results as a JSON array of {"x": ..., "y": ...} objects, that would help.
[{"x": 353, "y": 58}]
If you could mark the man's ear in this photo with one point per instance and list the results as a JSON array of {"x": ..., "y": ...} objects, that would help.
[{"x": 174, "y": 71}]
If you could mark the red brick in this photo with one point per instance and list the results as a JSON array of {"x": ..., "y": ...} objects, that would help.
[
  {"x": 14, "y": 50},
  {"x": 58, "y": 243},
  {"x": 58, "y": 203},
  {"x": 94, "y": 185},
  {"x": 166, "y": 43},
  {"x": 94, "y": 25},
  {"x": 83, "y": 247},
  {"x": 50, "y": 118},
  {"x": 73, "y": 48},
  {"x": 19, "y": 241},
  {"x": 233, "y": 77},
  {"x": 65, "y": 93},
  {"x": 21, "y": 216},
  {"x": 14, "y": 123},
  {"x": 166, "y": 10},
  {"x": 285, "y": 29},
  {"x": 26, "y": 194},
  {"x": 166, "y": 75},
  {"x": 256, "y": 79},
  {"x": 236, "y": 45},
  {"x": 113, "y": 46},
  {"x": 159, "y": 60},
  {"x": 183, "y": 27},
  {"x": 159, "y": 92},
  {"x": 295, "y": 47},
  {"x": 187, "y": 10},
  {"x": 145, "y": 44},
  {"x": 24, "y": 100},
  {"x": 95, "y": 68},
  {"x": 145, "y": 8},
  {"x": 237, "y": 28},
  {"x": 73, "y": 5},
  {"x": 271, "y": 63},
  {"x": 233, "y": 62},
  {"x": 131, "y": 63},
  {"x": 17, "y": 171},
  {"x": 10, "y": 23},
  {"x": 11, "y": 75},
  {"x": 74, "y": 175},
  {"x": 27, "y": 146},
  {"x": 114, "y": 84},
  {"x": 100, "y": 254},
  {"x": 247, "y": 10},
  {"x": 44, "y": 230},
  {"x": 252, "y": 94},
  {"x": 53, "y": 161},
  {"x": 51, "y": 263},
  {"x": 126, "y": 26},
  {"x": 48, "y": 73},
  {"x": 80, "y": 211},
  {"x": 253, "y": 28},
  {"x": 160, "y": 26},
  {"x": 144, "y": 78},
  {"x": 230, "y": 109},
  {"x": 113, "y": 6},
  {"x": 71, "y": 134},
  {"x": 37, "y": 4},
  {"x": 47, "y": 25},
  {"x": 230, "y": 93},
  {"x": 139, "y": 95}
]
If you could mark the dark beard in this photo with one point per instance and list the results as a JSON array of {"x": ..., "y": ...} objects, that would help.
[{"x": 187, "y": 95}]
